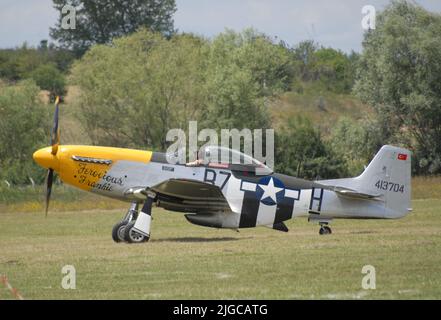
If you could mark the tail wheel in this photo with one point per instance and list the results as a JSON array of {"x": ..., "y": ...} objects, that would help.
[
  {"x": 325, "y": 230},
  {"x": 131, "y": 236},
  {"x": 118, "y": 231}
]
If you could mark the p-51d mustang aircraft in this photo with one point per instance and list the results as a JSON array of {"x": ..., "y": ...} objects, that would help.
[{"x": 221, "y": 194}]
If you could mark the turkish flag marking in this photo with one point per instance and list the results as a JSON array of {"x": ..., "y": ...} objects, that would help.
[{"x": 402, "y": 156}]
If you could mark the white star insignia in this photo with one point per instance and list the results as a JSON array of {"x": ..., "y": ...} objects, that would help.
[{"x": 270, "y": 190}]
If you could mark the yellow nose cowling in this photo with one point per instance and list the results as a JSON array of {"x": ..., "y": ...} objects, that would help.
[{"x": 46, "y": 159}]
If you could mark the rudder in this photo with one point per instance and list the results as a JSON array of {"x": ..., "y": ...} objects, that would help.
[{"x": 389, "y": 174}]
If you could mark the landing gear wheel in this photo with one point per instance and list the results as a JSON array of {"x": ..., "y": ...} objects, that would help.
[
  {"x": 325, "y": 230},
  {"x": 118, "y": 231},
  {"x": 132, "y": 236}
]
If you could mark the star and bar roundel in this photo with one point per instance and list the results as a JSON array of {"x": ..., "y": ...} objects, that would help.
[
  {"x": 268, "y": 197},
  {"x": 270, "y": 190}
]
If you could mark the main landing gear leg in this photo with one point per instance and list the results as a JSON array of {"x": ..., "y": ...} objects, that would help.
[
  {"x": 138, "y": 231},
  {"x": 119, "y": 228},
  {"x": 324, "y": 228}
]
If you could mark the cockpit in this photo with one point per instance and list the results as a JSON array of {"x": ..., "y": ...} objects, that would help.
[{"x": 226, "y": 158}]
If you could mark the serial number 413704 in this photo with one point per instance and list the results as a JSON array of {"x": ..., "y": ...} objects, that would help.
[{"x": 389, "y": 186}]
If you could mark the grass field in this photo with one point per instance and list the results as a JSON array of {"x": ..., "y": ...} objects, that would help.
[{"x": 183, "y": 261}]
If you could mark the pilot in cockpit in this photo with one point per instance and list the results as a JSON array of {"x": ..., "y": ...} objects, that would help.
[
  {"x": 201, "y": 156},
  {"x": 196, "y": 163}
]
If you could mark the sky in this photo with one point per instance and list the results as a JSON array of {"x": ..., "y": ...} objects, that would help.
[{"x": 332, "y": 23}]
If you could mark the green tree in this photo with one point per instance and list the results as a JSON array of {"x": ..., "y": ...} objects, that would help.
[
  {"x": 48, "y": 77},
  {"x": 151, "y": 84},
  {"x": 134, "y": 91},
  {"x": 9, "y": 65},
  {"x": 232, "y": 100},
  {"x": 301, "y": 152},
  {"x": 19, "y": 63},
  {"x": 333, "y": 69},
  {"x": 99, "y": 21},
  {"x": 400, "y": 76},
  {"x": 304, "y": 57},
  {"x": 325, "y": 68},
  {"x": 28, "y": 59},
  {"x": 356, "y": 142},
  {"x": 244, "y": 71},
  {"x": 24, "y": 127}
]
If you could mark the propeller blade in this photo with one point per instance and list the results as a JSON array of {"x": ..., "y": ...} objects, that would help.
[
  {"x": 55, "y": 142},
  {"x": 49, "y": 181},
  {"x": 55, "y": 137}
]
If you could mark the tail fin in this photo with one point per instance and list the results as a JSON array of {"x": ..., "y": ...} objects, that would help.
[{"x": 389, "y": 174}]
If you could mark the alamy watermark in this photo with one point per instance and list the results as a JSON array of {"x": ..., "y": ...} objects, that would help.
[
  {"x": 69, "y": 281},
  {"x": 369, "y": 281},
  {"x": 368, "y": 22},
  {"x": 69, "y": 17}
]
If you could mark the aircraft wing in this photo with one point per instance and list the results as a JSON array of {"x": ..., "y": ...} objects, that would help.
[{"x": 187, "y": 195}]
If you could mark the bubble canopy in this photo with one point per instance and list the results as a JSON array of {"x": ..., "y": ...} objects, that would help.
[{"x": 233, "y": 159}]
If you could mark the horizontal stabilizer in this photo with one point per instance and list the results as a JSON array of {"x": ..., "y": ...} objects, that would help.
[{"x": 349, "y": 193}]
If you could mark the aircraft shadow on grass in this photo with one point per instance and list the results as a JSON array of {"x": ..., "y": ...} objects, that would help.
[{"x": 198, "y": 239}]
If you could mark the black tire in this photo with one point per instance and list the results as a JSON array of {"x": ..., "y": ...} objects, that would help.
[
  {"x": 132, "y": 236},
  {"x": 325, "y": 230},
  {"x": 118, "y": 231}
]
